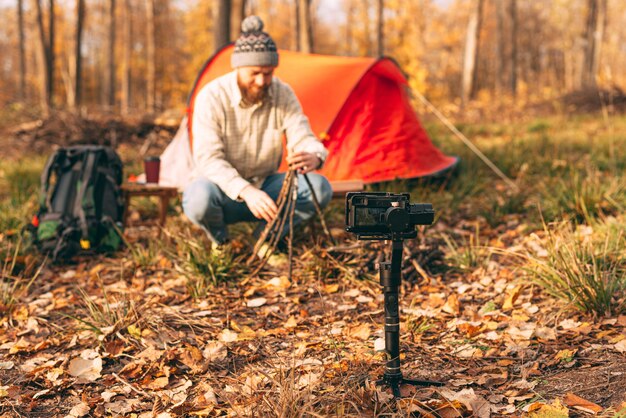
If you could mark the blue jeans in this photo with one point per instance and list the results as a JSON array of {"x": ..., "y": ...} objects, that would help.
[{"x": 207, "y": 206}]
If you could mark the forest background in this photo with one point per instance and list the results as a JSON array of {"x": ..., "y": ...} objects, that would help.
[
  {"x": 515, "y": 298},
  {"x": 143, "y": 55}
]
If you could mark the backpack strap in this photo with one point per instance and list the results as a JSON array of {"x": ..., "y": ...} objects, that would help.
[
  {"x": 45, "y": 197},
  {"x": 78, "y": 202}
]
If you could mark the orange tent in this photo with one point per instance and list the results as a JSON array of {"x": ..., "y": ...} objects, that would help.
[{"x": 359, "y": 107}]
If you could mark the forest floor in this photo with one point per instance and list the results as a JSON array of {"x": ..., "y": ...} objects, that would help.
[{"x": 164, "y": 328}]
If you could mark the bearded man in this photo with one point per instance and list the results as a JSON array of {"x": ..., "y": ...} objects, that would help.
[{"x": 239, "y": 120}]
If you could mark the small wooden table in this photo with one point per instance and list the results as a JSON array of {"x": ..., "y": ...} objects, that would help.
[{"x": 164, "y": 194}]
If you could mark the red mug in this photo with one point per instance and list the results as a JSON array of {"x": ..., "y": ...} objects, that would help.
[{"x": 152, "y": 166}]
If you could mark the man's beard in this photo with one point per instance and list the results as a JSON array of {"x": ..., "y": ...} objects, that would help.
[{"x": 251, "y": 96}]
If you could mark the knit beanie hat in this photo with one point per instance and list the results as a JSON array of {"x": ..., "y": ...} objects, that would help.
[{"x": 254, "y": 47}]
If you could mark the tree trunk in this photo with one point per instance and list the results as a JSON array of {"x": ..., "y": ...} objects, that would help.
[
  {"x": 594, "y": 32},
  {"x": 471, "y": 52},
  {"x": 110, "y": 97},
  {"x": 126, "y": 57},
  {"x": 221, "y": 33},
  {"x": 22, "y": 50},
  {"x": 47, "y": 57},
  {"x": 295, "y": 38},
  {"x": 500, "y": 62},
  {"x": 238, "y": 15},
  {"x": 380, "y": 26},
  {"x": 513, "y": 15},
  {"x": 51, "y": 58},
  {"x": 78, "y": 62},
  {"x": 365, "y": 16},
  {"x": 349, "y": 27},
  {"x": 151, "y": 56},
  {"x": 306, "y": 27}
]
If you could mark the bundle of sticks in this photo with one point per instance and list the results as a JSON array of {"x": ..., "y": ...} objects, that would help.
[{"x": 273, "y": 230}]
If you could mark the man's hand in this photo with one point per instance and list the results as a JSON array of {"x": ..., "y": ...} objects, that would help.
[
  {"x": 260, "y": 204},
  {"x": 303, "y": 162}
]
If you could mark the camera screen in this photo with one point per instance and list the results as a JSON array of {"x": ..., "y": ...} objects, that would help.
[{"x": 368, "y": 216}]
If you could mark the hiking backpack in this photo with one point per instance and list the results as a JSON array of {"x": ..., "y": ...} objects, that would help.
[{"x": 81, "y": 204}]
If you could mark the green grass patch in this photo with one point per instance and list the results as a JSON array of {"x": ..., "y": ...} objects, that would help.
[
  {"x": 19, "y": 191},
  {"x": 584, "y": 266}
]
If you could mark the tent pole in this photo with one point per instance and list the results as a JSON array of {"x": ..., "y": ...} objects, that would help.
[{"x": 467, "y": 142}]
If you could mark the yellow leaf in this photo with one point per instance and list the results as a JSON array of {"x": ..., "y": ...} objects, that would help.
[
  {"x": 21, "y": 345},
  {"x": 21, "y": 313},
  {"x": 555, "y": 410},
  {"x": 511, "y": 297},
  {"x": 331, "y": 288},
  {"x": 134, "y": 331},
  {"x": 565, "y": 355}
]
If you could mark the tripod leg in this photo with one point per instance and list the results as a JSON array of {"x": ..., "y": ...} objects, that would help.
[
  {"x": 390, "y": 278},
  {"x": 421, "y": 382}
]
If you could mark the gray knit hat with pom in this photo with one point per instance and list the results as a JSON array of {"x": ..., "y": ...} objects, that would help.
[{"x": 254, "y": 47}]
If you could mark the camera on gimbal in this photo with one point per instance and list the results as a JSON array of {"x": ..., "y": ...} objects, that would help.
[
  {"x": 385, "y": 216},
  {"x": 389, "y": 216}
]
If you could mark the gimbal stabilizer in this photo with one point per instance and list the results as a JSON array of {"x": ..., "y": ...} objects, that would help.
[{"x": 386, "y": 216}]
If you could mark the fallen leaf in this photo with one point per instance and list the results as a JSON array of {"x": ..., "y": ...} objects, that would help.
[
  {"x": 379, "y": 344},
  {"x": 364, "y": 299},
  {"x": 18, "y": 346},
  {"x": 331, "y": 288},
  {"x": 228, "y": 336},
  {"x": 511, "y": 297},
  {"x": 79, "y": 410},
  {"x": 255, "y": 303},
  {"x": 525, "y": 332},
  {"x": 470, "y": 329},
  {"x": 122, "y": 407},
  {"x": 467, "y": 351},
  {"x": 569, "y": 324},
  {"x": 193, "y": 358},
  {"x": 361, "y": 332},
  {"x": 621, "y": 346},
  {"x": 292, "y": 322},
  {"x": 352, "y": 293},
  {"x": 554, "y": 410},
  {"x": 150, "y": 353},
  {"x": 475, "y": 403},
  {"x": 134, "y": 331},
  {"x": 545, "y": 333},
  {"x": 158, "y": 383},
  {"x": 452, "y": 305},
  {"x": 565, "y": 355},
  {"x": 53, "y": 375},
  {"x": 85, "y": 368},
  {"x": 6, "y": 365},
  {"x": 21, "y": 313},
  {"x": 107, "y": 396},
  {"x": 214, "y": 351},
  {"x": 581, "y": 404},
  {"x": 280, "y": 283}
]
